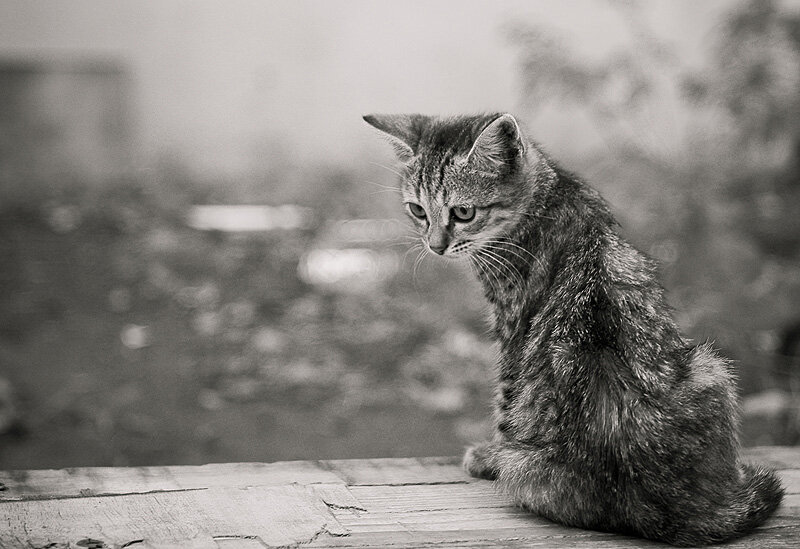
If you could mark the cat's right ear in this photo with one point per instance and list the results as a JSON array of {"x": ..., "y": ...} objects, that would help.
[
  {"x": 402, "y": 131},
  {"x": 499, "y": 145}
]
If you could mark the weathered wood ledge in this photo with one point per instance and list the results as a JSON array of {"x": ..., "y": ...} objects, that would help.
[{"x": 419, "y": 502}]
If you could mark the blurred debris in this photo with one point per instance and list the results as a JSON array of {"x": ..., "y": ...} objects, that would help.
[
  {"x": 785, "y": 348},
  {"x": 238, "y": 314},
  {"x": 445, "y": 375},
  {"x": 249, "y": 218},
  {"x": 120, "y": 300},
  {"x": 241, "y": 389},
  {"x": 160, "y": 240},
  {"x": 211, "y": 400},
  {"x": 205, "y": 296},
  {"x": 772, "y": 417},
  {"x": 206, "y": 323},
  {"x": 269, "y": 340},
  {"x": 768, "y": 404},
  {"x": 348, "y": 268},
  {"x": 161, "y": 280},
  {"x": 135, "y": 337},
  {"x": 9, "y": 412},
  {"x": 471, "y": 430},
  {"x": 63, "y": 219},
  {"x": 367, "y": 230},
  {"x": 446, "y": 400}
]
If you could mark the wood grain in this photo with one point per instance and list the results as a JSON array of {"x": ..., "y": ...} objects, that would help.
[{"x": 399, "y": 503}]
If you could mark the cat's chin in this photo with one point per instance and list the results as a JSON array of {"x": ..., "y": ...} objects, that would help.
[
  {"x": 459, "y": 256},
  {"x": 449, "y": 258}
]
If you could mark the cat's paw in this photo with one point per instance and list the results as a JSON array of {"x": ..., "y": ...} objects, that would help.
[{"x": 477, "y": 463}]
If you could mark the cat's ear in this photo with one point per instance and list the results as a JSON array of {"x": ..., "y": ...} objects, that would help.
[
  {"x": 498, "y": 146},
  {"x": 402, "y": 131}
]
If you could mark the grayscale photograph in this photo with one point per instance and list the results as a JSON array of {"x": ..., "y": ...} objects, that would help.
[{"x": 383, "y": 274}]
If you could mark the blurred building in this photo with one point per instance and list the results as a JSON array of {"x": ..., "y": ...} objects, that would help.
[{"x": 63, "y": 118}]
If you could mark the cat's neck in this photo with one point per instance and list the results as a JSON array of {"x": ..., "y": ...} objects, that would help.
[
  {"x": 512, "y": 270},
  {"x": 518, "y": 270},
  {"x": 571, "y": 281}
]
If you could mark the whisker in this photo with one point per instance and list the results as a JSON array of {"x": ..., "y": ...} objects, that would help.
[
  {"x": 477, "y": 267},
  {"x": 498, "y": 274},
  {"x": 493, "y": 245},
  {"x": 510, "y": 269},
  {"x": 384, "y": 188},
  {"x": 513, "y": 247},
  {"x": 501, "y": 268},
  {"x": 417, "y": 262},
  {"x": 480, "y": 263},
  {"x": 408, "y": 238},
  {"x": 508, "y": 242},
  {"x": 398, "y": 242},
  {"x": 387, "y": 168},
  {"x": 414, "y": 248},
  {"x": 381, "y": 185},
  {"x": 374, "y": 193},
  {"x": 472, "y": 265},
  {"x": 488, "y": 269}
]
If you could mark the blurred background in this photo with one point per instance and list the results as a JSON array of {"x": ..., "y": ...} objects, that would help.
[{"x": 202, "y": 259}]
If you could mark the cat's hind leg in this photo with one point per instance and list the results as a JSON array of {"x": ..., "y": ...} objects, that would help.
[
  {"x": 504, "y": 460},
  {"x": 479, "y": 461},
  {"x": 539, "y": 482},
  {"x": 496, "y": 458}
]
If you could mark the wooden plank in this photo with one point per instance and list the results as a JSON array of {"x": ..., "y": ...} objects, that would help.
[
  {"x": 791, "y": 480},
  {"x": 95, "y": 481},
  {"x": 275, "y": 515},
  {"x": 421, "y": 502},
  {"x": 515, "y": 539},
  {"x": 432, "y": 470},
  {"x": 476, "y": 514}
]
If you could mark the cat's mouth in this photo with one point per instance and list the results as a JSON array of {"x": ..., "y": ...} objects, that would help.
[
  {"x": 460, "y": 249},
  {"x": 452, "y": 250}
]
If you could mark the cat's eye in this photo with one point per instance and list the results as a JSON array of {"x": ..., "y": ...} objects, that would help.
[
  {"x": 417, "y": 210},
  {"x": 463, "y": 213}
]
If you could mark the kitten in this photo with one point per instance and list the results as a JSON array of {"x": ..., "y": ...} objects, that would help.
[{"x": 606, "y": 417}]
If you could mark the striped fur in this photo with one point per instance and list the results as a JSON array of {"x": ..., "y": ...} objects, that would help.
[{"x": 606, "y": 416}]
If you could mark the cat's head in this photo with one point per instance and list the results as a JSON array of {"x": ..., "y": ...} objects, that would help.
[{"x": 462, "y": 181}]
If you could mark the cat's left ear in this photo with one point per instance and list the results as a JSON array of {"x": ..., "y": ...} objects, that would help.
[
  {"x": 402, "y": 130},
  {"x": 500, "y": 145}
]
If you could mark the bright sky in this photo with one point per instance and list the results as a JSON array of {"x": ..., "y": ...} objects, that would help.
[{"x": 219, "y": 82}]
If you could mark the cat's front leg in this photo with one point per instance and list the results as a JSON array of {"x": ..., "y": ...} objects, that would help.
[{"x": 479, "y": 460}]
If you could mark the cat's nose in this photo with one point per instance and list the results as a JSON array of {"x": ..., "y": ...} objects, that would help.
[
  {"x": 438, "y": 248},
  {"x": 438, "y": 239}
]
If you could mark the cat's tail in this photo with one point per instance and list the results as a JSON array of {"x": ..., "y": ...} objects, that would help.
[
  {"x": 756, "y": 499},
  {"x": 753, "y": 501}
]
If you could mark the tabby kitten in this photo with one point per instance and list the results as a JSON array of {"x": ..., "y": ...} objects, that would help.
[{"x": 606, "y": 417}]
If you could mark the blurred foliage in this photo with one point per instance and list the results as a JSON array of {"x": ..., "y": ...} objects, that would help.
[
  {"x": 701, "y": 163},
  {"x": 756, "y": 78}
]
